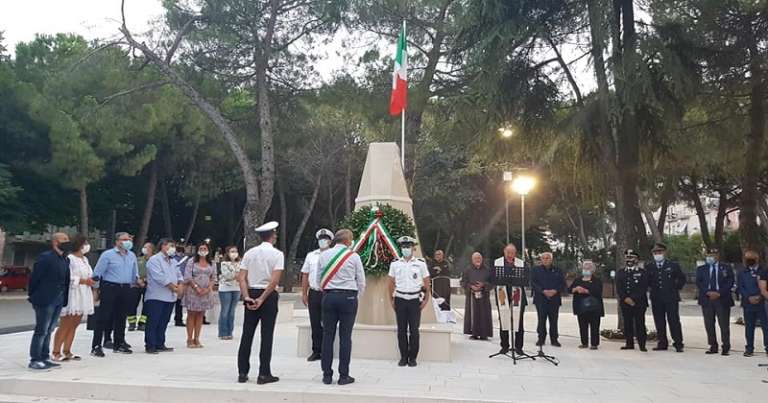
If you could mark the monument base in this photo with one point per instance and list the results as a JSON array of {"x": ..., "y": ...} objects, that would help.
[{"x": 379, "y": 342}]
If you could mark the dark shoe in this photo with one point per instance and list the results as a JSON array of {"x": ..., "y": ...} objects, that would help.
[
  {"x": 52, "y": 365},
  {"x": 412, "y": 362},
  {"x": 108, "y": 344},
  {"x": 38, "y": 366},
  {"x": 123, "y": 350},
  {"x": 712, "y": 350},
  {"x": 504, "y": 350},
  {"x": 678, "y": 349},
  {"x": 265, "y": 379},
  {"x": 660, "y": 348},
  {"x": 141, "y": 327},
  {"x": 164, "y": 349},
  {"x": 628, "y": 347},
  {"x": 583, "y": 346},
  {"x": 540, "y": 343},
  {"x": 97, "y": 352},
  {"x": 593, "y": 348},
  {"x": 242, "y": 378},
  {"x": 403, "y": 362},
  {"x": 180, "y": 324},
  {"x": 313, "y": 357},
  {"x": 555, "y": 343},
  {"x": 726, "y": 352},
  {"x": 205, "y": 322},
  {"x": 151, "y": 351},
  {"x": 125, "y": 344},
  {"x": 132, "y": 327},
  {"x": 643, "y": 349},
  {"x": 346, "y": 380},
  {"x": 327, "y": 380},
  {"x": 749, "y": 353},
  {"x": 519, "y": 351}
]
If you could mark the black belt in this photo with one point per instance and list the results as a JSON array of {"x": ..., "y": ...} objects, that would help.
[
  {"x": 407, "y": 293},
  {"x": 340, "y": 291},
  {"x": 111, "y": 284}
]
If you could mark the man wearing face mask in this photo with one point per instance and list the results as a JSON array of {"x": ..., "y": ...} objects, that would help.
[
  {"x": 752, "y": 302},
  {"x": 632, "y": 288},
  {"x": 117, "y": 271},
  {"x": 715, "y": 281},
  {"x": 311, "y": 294},
  {"x": 666, "y": 279},
  {"x": 408, "y": 278},
  {"x": 48, "y": 293},
  {"x": 548, "y": 283}
]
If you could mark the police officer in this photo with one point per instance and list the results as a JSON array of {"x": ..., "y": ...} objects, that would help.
[
  {"x": 311, "y": 294},
  {"x": 666, "y": 279},
  {"x": 632, "y": 287},
  {"x": 409, "y": 290},
  {"x": 261, "y": 269}
]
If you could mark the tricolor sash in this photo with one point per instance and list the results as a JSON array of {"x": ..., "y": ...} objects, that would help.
[{"x": 334, "y": 266}]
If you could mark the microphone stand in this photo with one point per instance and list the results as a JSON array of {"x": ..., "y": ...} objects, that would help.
[{"x": 511, "y": 353}]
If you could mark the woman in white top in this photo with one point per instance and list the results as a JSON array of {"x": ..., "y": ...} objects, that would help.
[
  {"x": 229, "y": 291},
  {"x": 80, "y": 299}
]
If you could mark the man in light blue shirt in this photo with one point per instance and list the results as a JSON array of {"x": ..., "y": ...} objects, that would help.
[
  {"x": 117, "y": 271},
  {"x": 163, "y": 278}
]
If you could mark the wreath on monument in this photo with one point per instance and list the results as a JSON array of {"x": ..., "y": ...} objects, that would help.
[{"x": 376, "y": 230}]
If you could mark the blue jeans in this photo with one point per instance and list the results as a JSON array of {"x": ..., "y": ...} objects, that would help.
[
  {"x": 46, "y": 319},
  {"x": 339, "y": 309},
  {"x": 158, "y": 315},
  {"x": 229, "y": 300}
]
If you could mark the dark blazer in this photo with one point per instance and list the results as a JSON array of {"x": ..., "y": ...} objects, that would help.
[
  {"x": 725, "y": 282},
  {"x": 665, "y": 282},
  {"x": 50, "y": 277},
  {"x": 633, "y": 284},
  {"x": 747, "y": 284},
  {"x": 595, "y": 287},
  {"x": 547, "y": 279}
]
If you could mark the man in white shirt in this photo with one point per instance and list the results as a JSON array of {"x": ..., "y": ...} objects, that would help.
[
  {"x": 259, "y": 276},
  {"x": 409, "y": 290},
  {"x": 342, "y": 279},
  {"x": 311, "y": 294}
]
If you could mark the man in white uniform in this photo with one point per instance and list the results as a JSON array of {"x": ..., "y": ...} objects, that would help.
[
  {"x": 342, "y": 279},
  {"x": 311, "y": 294},
  {"x": 409, "y": 290},
  {"x": 259, "y": 276}
]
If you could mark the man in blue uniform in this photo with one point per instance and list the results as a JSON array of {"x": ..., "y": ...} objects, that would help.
[
  {"x": 752, "y": 302},
  {"x": 666, "y": 279},
  {"x": 632, "y": 288},
  {"x": 715, "y": 281}
]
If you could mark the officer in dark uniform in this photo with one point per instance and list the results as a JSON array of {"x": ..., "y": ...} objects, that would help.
[
  {"x": 666, "y": 279},
  {"x": 632, "y": 287},
  {"x": 715, "y": 282}
]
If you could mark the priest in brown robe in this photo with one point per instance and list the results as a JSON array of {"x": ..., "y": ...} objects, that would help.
[
  {"x": 477, "y": 309},
  {"x": 440, "y": 273}
]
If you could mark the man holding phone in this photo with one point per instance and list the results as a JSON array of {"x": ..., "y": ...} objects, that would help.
[{"x": 261, "y": 269}]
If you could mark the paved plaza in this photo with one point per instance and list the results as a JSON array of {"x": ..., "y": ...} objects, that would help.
[{"x": 209, "y": 374}]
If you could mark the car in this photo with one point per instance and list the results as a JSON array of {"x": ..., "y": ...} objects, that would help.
[{"x": 14, "y": 278}]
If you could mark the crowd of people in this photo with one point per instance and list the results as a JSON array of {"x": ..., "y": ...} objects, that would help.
[
  {"x": 656, "y": 284},
  {"x": 64, "y": 288}
]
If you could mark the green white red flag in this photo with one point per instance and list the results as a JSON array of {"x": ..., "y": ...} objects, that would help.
[{"x": 399, "y": 97}]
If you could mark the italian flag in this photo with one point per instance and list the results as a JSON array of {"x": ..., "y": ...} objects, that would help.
[{"x": 399, "y": 77}]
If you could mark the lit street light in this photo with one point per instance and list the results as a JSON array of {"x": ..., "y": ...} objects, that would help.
[
  {"x": 522, "y": 185},
  {"x": 506, "y": 132}
]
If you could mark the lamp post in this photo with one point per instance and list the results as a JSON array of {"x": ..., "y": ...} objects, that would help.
[
  {"x": 507, "y": 178},
  {"x": 522, "y": 185}
]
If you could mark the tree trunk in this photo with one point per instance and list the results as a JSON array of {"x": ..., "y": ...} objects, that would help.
[
  {"x": 693, "y": 196},
  {"x": 146, "y": 219},
  {"x": 348, "y": 187},
  {"x": 753, "y": 155},
  {"x": 165, "y": 205},
  {"x": 253, "y": 213},
  {"x": 193, "y": 219},
  {"x": 300, "y": 232},
  {"x": 84, "y": 210},
  {"x": 2, "y": 245},
  {"x": 283, "y": 219},
  {"x": 652, "y": 224},
  {"x": 722, "y": 209}
]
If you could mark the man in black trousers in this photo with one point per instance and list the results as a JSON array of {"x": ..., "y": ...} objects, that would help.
[
  {"x": 715, "y": 281},
  {"x": 666, "y": 279},
  {"x": 311, "y": 294},
  {"x": 632, "y": 289},
  {"x": 548, "y": 283},
  {"x": 509, "y": 261}
]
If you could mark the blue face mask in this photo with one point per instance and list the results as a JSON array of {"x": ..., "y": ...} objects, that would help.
[
  {"x": 710, "y": 260},
  {"x": 127, "y": 245},
  {"x": 586, "y": 273}
]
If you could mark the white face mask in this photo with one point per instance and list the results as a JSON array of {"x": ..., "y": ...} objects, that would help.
[
  {"x": 407, "y": 252},
  {"x": 233, "y": 255},
  {"x": 171, "y": 251},
  {"x": 144, "y": 251},
  {"x": 323, "y": 243},
  {"x": 658, "y": 257},
  {"x": 86, "y": 248},
  {"x": 202, "y": 253}
]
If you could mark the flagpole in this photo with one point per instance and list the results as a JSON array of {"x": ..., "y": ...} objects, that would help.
[{"x": 402, "y": 113}]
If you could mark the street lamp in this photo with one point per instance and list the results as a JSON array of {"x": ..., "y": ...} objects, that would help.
[
  {"x": 522, "y": 185},
  {"x": 506, "y": 132},
  {"x": 507, "y": 178}
]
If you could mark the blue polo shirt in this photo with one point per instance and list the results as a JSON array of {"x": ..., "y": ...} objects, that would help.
[{"x": 116, "y": 267}]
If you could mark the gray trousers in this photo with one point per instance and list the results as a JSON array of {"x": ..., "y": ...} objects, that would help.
[{"x": 717, "y": 311}]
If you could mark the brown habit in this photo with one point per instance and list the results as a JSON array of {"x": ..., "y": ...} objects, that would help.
[{"x": 477, "y": 311}]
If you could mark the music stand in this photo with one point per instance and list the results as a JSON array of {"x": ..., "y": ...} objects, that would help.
[{"x": 516, "y": 277}]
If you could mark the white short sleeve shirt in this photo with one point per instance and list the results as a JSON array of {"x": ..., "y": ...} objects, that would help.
[
  {"x": 409, "y": 276},
  {"x": 311, "y": 267},
  {"x": 260, "y": 262}
]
